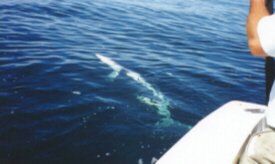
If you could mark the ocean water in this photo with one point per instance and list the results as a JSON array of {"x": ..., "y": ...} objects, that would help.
[{"x": 117, "y": 81}]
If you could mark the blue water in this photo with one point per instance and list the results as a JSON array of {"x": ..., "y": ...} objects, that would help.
[{"x": 59, "y": 103}]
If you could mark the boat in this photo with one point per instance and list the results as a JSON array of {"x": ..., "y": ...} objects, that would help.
[{"x": 219, "y": 138}]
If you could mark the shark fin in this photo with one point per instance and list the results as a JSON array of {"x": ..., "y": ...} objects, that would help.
[{"x": 113, "y": 75}]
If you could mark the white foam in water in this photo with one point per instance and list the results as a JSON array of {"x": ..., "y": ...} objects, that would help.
[
  {"x": 154, "y": 160},
  {"x": 169, "y": 74},
  {"x": 140, "y": 161},
  {"x": 76, "y": 92}
]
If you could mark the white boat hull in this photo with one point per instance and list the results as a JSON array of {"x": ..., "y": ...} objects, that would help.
[{"x": 219, "y": 137}]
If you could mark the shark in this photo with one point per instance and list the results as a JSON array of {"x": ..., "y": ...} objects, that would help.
[{"x": 159, "y": 101}]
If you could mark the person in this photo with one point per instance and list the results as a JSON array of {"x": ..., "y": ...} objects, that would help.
[
  {"x": 261, "y": 34},
  {"x": 261, "y": 42},
  {"x": 261, "y": 29}
]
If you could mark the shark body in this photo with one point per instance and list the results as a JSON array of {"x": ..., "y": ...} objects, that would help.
[{"x": 158, "y": 100}]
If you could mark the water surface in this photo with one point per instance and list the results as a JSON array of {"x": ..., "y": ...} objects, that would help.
[{"x": 59, "y": 103}]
